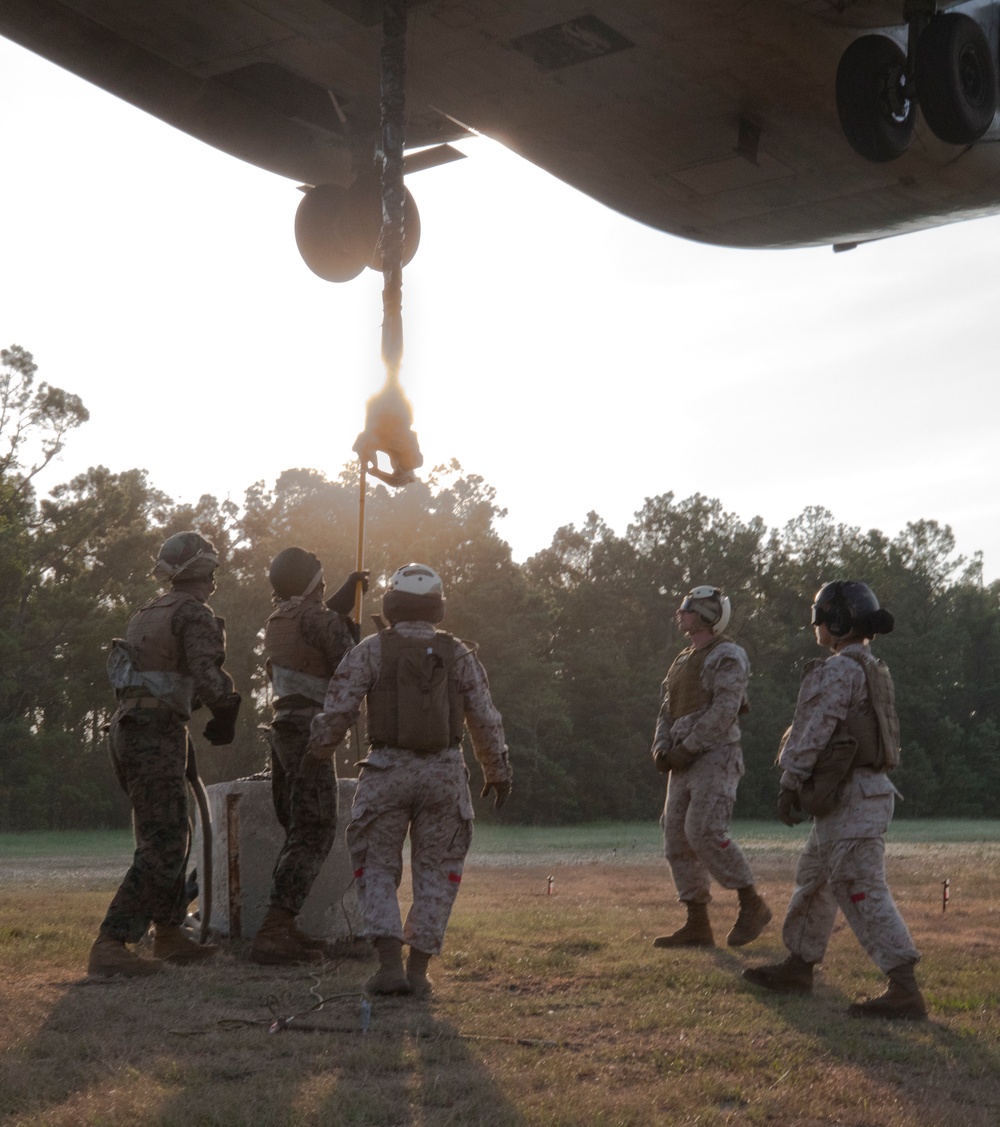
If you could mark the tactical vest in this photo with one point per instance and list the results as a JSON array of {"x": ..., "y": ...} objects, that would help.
[
  {"x": 415, "y": 703},
  {"x": 147, "y": 661},
  {"x": 683, "y": 681},
  {"x": 285, "y": 646},
  {"x": 150, "y": 635},
  {"x": 876, "y": 727},
  {"x": 869, "y": 738}
]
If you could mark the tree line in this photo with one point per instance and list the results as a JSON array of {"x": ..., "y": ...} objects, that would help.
[{"x": 576, "y": 640}]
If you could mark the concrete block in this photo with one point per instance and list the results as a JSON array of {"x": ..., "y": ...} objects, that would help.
[{"x": 246, "y": 840}]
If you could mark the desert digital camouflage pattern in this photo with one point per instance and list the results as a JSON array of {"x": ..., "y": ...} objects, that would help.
[
  {"x": 427, "y": 795},
  {"x": 724, "y": 677},
  {"x": 843, "y": 863},
  {"x": 695, "y": 824},
  {"x": 357, "y": 673},
  {"x": 700, "y": 798},
  {"x": 400, "y": 791}
]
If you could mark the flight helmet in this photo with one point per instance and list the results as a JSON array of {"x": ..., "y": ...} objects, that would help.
[
  {"x": 414, "y": 593},
  {"x": 847, "y": 607},
  {"x": 711, "y": 606}
]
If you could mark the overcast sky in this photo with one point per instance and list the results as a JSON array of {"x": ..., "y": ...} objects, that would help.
[{"x": 575, "y": 359}]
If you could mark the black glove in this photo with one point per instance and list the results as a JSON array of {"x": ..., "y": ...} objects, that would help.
[
  {"x": 221, "y": 729},
  {"x": 789, "y": 810},
  {"x": 342, "y": 600},
  {"x": 502, "y": 790}
]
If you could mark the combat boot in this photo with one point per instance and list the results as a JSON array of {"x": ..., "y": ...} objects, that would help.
[
  {"x": 416, "y": 973},
  {"x": 310, "y": 942},
  {"x": 791, "y": 976},
  {"x": 754, "y": 916},
  {"x": 390, "y": 978},
  {"x": 902, "y": 999},
  {"x": 111, "y": 956},
  {"x": 275, "y": 943},
  {"x": 172, "y": 944},
  {"x": 696, "y": 932}
]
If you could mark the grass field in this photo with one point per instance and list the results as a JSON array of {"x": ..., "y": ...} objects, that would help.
[{"x": 548, "y": 1009}]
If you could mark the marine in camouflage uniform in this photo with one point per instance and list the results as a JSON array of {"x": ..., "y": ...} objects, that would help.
[
  {"x": 697, "y": 739},
  {"x": 304, "y": 641},
  {"x": 845, "y": 723},
  {"x": 169, "y": 664},
  {"x": 403, "y": 790}
]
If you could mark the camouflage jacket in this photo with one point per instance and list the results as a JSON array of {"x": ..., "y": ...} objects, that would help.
[
  {"x": 357, "y": 674},
  {"x": 724, "y": 677},
  {"x": 202, "y": 640},
  {"x": 829, "y": 691},
  {"x": 327, "y": 632}
]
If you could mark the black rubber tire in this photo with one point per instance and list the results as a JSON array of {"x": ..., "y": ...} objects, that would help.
[
  {"x": 956, "y": 78},
  {"x": 876, "y": 117}
]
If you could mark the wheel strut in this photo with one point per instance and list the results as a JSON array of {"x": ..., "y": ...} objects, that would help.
[{"x": 917, "y": 14}]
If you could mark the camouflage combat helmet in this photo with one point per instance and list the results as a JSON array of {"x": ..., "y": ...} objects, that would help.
[
  {"x": 295, "y": 572},
  {"x": 185, "y": 555}
]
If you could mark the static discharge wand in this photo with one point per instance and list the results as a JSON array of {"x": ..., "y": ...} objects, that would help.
[{"x": 388, "y": 414}]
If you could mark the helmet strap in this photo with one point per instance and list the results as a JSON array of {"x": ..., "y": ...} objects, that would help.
[{"x": 313, "y": 583}]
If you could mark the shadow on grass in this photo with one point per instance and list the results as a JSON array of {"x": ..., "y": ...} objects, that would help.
[
  {"x": 59, "y": 1063},
  {"x": 419, "y": 1067},
  {"x": 946, "y": 1074},
  {"x": 162, "y": 1051}
]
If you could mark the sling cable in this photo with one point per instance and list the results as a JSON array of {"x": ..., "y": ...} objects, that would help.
[{"x": 388, "y": 414}]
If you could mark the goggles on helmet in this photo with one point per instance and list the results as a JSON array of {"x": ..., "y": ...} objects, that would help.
[{"x": 698, "y": 595}]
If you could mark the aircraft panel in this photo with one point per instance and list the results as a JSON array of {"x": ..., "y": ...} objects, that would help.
[{"x": 714, "y": 120}]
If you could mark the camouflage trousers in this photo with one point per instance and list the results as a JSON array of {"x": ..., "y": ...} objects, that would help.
[
  {"x": 149, "y": 752},
  {"x": 695, "y": 824},
  {"x": 306, "y": 809},
  {"x": 848, "y": 874},
  {"x": 427, "y": 796}
]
